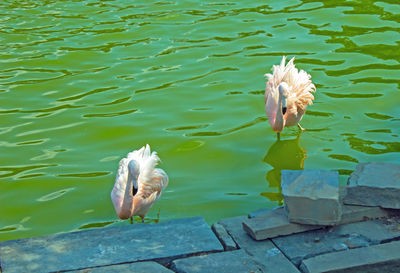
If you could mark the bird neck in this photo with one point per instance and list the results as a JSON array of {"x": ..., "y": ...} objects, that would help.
[{"x": 279, "y": 119}]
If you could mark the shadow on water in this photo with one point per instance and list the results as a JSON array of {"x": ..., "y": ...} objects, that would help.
[{"x": 282, "y": 155}]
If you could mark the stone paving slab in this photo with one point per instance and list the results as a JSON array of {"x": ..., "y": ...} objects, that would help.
[
  {"x": 263, "y": 252},
  {"x": 376, "y": 231},
  {"x": 312, "y": 196},
  {"x": 224, "y": 262},
  {"x": 139, "y": 267},
  {"x": 223, "y": 236},
  {"x": 378, "y": 258},
  {"x": 275, "y": 222},
  {"x": 272, "y": 224},
  {"x": 106, "y": 246},
  {"x": 312, "y": 243},
  {"x": 374, "y": 184}
]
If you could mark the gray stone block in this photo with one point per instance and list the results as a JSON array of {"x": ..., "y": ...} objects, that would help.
[
  {"x": 223, "y": 236},
  {"x": 106, "y": 246},
  {"x": 378, "y": 258},
  {"x": 263, "y": 252},
  {"x": 312, "y": 196},
  {"x": 224, "y": 262},
  {"x": 312, "y": 243},
  {"x": 374, "y": 184},
  {"x": 275, "y": 222},
  {"x": 139, "y": 267},
  {"x": 272, "y": 224}
]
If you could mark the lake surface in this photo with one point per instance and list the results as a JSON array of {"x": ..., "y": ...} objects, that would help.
[{"x": 82, "y": 83}]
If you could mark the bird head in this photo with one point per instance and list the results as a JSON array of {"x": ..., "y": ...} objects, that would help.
[
  {"x": 133, "y": 168},
  {"x": 283, "y": 94}
]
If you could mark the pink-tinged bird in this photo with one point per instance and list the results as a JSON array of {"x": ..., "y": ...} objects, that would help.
[
  {"x": 138, "y": 184},
  {"x": 287, "y": 94}
]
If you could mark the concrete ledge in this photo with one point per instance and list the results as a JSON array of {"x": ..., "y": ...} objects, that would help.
[
  {"x": 379, "y": 258},
  {"x": 115, "y": 245}
]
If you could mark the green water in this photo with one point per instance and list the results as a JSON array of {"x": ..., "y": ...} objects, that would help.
[{"x": 82, "y": 83}]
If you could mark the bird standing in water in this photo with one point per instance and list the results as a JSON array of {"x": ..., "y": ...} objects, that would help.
[
  {"x": 287, "y": 94},
  {"x": 138, "y": 184}
]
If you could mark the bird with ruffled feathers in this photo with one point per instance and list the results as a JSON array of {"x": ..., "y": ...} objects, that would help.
[
  {"x": 138, "y": 184},
  {"x": 288, "y": 92}
]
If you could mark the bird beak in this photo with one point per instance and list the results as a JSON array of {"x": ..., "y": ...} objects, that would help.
[{"x": 284, "y": 106}]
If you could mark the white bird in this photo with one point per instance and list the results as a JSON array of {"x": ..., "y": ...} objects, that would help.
[
  {"x": 287, "y": 94},
  {"x": 138, "y": 184}
]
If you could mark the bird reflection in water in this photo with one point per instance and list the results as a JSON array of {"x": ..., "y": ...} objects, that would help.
[{"x": 282, "y": 155}]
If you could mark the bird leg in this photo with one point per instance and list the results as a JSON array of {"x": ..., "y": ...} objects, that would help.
[
  {"x": 278, "y": 135},
  {"x": 131, "y": 220},
  {"x": 301, "y": 128},
  {"x": 142, "y": 219}
]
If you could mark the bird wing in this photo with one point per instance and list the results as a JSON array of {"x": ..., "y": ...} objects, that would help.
[
  {"x": 150, "y": 179},
  {"x": 299, "y": 82}
]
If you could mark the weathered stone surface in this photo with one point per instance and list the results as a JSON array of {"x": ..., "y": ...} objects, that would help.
[
  {"x": 378, "y": 258},
  {"x": 139, "y": 267},
  {"x": 275, "y": 222},
  {"x": 312, "y": 196},
  {"x": 272, "y": 224},
  {"x": 312, "y": 243},
  {"x": 223, "y": 236},
  {"x": 224, "y": 262},
  {"x": 352, "y": 214},
  {"x": 114, "y": 245},
  {"x": 263, "y": 252},
  {"x": 374, "y": 184},
  {"x": 376, "y": 231}
]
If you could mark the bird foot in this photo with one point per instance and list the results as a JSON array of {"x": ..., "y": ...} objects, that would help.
[{"x": 301, "y": 128}]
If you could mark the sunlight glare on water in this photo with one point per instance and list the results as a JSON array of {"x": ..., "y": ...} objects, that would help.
[{"x": 82, "y": 83}]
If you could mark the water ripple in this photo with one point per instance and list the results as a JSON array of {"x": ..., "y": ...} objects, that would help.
[
  {"x": 15, "y": 170},
  {"x": 54, "y": 195},
  {"x": 373, "y": 147},
  {"x": 378, "y": 116},
  {"x": 352, "y": 95},
  {"x": 229, "y": 131},
  {"x": 83, "y": 175},
  {"x": 109, "y": 115},
  {"x": 94, "y": 91}
]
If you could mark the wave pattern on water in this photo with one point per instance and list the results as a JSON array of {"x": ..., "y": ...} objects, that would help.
[{"x": 84, "y": 82}]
